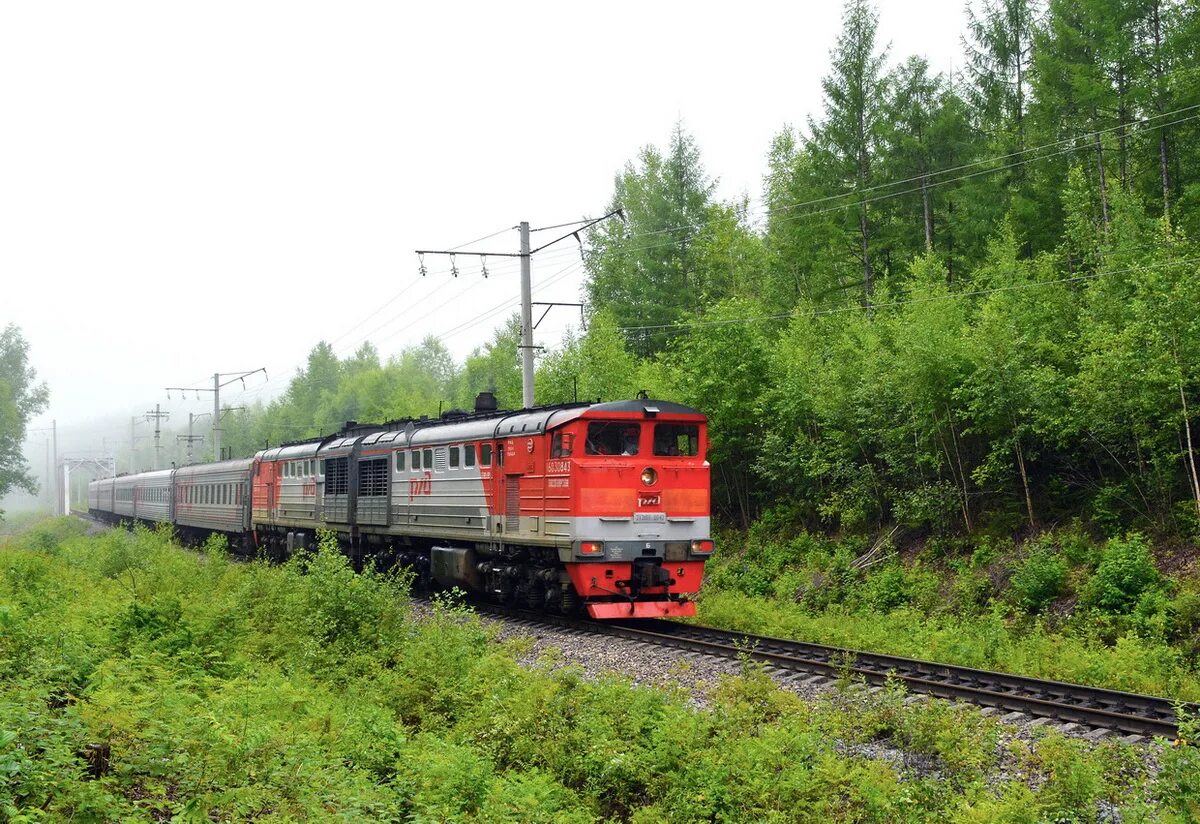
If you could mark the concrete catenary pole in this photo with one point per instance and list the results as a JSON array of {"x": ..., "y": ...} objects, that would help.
[
  {"x": 526, "y": 320},
  {"x": 157, "y": 438},
  {"x": 54, "y": 477},
  {"x": 216, "y": 426}
]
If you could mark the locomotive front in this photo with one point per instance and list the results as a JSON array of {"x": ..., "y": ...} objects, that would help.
[{"x": 639, "y": 484}]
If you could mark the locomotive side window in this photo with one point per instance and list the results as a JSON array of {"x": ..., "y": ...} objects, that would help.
[
  {"x": 562, "y": 444},
  {"x": 676, "y": 439},
  {"x": 613, "y": 438},
  {"x": 400, "y": 461},
  {"x": 469, "y": 454},
  {"x": 416, "y": 459},
  {"x": 485, "y": 454},
  {"x": 427, "y": 458},
  {"x": 454, "y": 457}
]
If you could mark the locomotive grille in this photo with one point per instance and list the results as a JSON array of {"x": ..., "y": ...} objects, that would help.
[
  {"x": 373, "y": 478},
  {"x": 337, "y": 476},
  {"x": 512, "y": 504}
]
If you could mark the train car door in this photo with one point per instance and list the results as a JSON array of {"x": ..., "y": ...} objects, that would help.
[{"x": 267, "y": 487}]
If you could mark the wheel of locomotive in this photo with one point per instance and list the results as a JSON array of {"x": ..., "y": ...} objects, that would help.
[
  {"x": 533, "y": 596},
  {"x": 567, "y": 601}
]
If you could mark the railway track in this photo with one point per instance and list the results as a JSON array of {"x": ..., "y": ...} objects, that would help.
[{"x": 1123, "y": 712}]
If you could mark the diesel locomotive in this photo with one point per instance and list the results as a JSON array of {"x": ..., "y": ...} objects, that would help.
[{"x": 602, "y": 507}]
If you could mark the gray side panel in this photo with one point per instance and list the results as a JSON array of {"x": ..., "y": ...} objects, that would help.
[{"x": 219, "y": 500}]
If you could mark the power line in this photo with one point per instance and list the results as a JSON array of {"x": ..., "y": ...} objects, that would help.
[
  {"x": 1142, "y": 124},
  {"x": 680, "y": 328},
  {"x": 495, "y": 310}
]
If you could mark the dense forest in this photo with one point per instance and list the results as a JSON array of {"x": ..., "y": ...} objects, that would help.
[{"x": 963, "y": 302}]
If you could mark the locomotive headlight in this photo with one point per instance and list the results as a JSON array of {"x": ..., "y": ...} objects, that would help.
[
  {"x": 649, "y": 476},
  {"x": 704, "y": 547}
]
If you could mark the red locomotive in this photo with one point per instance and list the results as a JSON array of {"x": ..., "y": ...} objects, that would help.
[{"x": 603, "y": 507}]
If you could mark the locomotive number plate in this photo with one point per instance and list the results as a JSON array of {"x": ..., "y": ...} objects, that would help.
[{"x": 649, "y": 517}]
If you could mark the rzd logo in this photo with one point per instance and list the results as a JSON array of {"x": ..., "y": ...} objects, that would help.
[{"x": 420, "y": 486}]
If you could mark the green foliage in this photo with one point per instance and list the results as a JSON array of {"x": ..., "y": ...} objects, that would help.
[
  {"x": 20, "y": 399},
  {"x": 642, "y": 269},
  {"x": 1126, "y": 573},
  {"x": 182, "y": 685},
  {"x": 1180, "y": 771},
  {"x": 1039, "y": 579}
]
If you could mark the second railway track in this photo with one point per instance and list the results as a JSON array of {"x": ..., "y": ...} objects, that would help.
[{"x": 1124, "y": 712}]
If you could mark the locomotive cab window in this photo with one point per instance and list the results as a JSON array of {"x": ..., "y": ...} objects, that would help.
[
  {"x": 613, "y": 438},
  {"x": 562, "y": 444},
  {"x": 672, "y": 439}
]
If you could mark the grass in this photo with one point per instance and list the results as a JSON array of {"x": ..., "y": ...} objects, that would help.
[{"x": 140, "y": 682}]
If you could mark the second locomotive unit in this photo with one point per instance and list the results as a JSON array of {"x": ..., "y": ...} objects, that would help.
[{"x": 603, "y": 506}]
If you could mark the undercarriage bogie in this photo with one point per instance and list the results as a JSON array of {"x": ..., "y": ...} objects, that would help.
[
  {"x": 533, "y": 578},
  {"x": 509, "y": 576}
]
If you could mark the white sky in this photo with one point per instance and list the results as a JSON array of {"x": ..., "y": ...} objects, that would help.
[{"x": 190, "y": 188}]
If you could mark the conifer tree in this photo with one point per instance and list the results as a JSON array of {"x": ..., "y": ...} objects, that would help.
[{"x": 845, "y": 142}]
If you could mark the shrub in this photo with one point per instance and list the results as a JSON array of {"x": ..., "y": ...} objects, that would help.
[
  {"x": 1179, "y": 773},
  {"x": 1125, "y": 573},
  {"x": 1038, "y": 580}
]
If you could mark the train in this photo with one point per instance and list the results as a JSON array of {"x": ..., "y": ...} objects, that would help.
[{"x": 600, "y": 507}]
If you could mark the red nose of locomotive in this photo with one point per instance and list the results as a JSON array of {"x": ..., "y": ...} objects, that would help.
[{"x": 642, "y": 525}]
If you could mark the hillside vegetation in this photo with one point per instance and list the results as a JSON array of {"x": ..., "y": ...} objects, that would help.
[{"x": 140, "y": 682}]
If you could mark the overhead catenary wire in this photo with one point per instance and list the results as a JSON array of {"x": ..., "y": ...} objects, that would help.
[
  {"x": 475, "y": 321},
  {"x": 681, "y": 328},
  {"x": 854, "y": 196}
]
